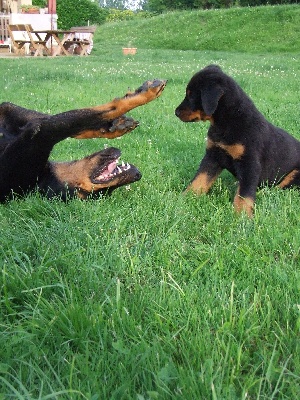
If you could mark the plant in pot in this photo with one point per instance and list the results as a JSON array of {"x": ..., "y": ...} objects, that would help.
[
  {"x": 130, "y": 49},
  {"x": 30, "y": 9}
]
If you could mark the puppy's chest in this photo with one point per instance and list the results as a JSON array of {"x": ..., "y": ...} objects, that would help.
[{"x": 234, "y": 150}]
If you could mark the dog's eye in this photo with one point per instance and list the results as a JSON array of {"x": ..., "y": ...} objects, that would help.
[
  {"x": 192, "y": 99},
  {"x": 191, "y": 96}
]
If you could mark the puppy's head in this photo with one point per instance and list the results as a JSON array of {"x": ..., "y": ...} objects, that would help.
[{"x": 203, "y": 93}]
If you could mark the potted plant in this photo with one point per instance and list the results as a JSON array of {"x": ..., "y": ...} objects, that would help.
[
  {"x": 29, "y": 9},
  {"x": 129, "y": 49}
]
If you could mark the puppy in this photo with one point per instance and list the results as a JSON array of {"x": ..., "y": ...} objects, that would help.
[{"x": 239, "y": 139}]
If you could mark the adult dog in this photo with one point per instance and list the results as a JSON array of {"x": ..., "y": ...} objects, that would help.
[
  {"x": 239, "y": 139},
  {"x": 27, "y": 138}
]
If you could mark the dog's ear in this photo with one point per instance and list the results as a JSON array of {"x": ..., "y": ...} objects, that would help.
[{"x": 210, "y": 97}]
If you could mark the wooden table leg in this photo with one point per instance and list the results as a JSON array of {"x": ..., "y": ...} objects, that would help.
[{"x": 60, "y": 46}]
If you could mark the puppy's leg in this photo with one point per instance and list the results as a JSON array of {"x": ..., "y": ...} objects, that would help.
[
  {"x": 243, "y": 203},
  {"x": 208, "y": 172},
  {"x": 248, "y": 173},
  {"x": 291, "y": 179}
]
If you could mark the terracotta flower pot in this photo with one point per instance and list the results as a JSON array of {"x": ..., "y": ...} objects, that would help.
[
  {"x": 30, "y": 11},
  {"x": 129, "y": 50}
]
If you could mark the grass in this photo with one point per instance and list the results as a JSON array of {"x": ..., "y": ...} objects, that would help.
[
  {"x": 265, "y": 29},
  {"x": 150, "y": 294}
]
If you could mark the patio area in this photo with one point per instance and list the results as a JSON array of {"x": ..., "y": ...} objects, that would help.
[{"x": 19, "y": 12}]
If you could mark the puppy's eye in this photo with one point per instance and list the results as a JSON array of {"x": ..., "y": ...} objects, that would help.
[{"x": 191, "y": 98}]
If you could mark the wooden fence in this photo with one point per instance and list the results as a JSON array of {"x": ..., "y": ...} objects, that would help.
[{"x": 4, "y": 22}]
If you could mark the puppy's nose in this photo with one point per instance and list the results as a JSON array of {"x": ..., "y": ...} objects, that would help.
[{"x": 177, "y": 112}]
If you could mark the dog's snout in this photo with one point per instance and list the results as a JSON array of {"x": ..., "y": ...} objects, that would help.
[{"x": 138, "y": 175}]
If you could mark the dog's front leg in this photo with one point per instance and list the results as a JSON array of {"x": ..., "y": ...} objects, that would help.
[
  {"x": 103, "y": 121},
  {"x": 246, "y": 193},
  {"x": 207, "y": 173},
  {"x": 243, "y": 203},
  {"x": 147, "y": 92}
]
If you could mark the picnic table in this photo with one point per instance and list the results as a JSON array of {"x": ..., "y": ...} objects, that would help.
[
  {"x": 54, "y": 42},
  {"x": 77, "y": 40},
  {"x": 55, "y": 39}
]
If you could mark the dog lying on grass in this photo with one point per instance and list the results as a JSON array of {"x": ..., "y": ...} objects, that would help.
[
  {"x": 239, "y": 139},
  {"x": 27, "y": 138}
]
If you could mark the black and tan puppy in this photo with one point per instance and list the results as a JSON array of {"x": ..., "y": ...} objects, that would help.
[
  {"x": 239, "y": 139},
  {"x": 27, "y": 138}
]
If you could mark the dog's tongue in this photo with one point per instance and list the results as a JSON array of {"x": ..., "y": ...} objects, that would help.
[
  {"x": 108, "y": 170},
  {"x": 112, "y": 166},
  {"x": 113, "y": 169}
]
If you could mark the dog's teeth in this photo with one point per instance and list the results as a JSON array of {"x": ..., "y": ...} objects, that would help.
[
  {"x": 123, "y": 164},
  {"x": 119, "y": 170}
]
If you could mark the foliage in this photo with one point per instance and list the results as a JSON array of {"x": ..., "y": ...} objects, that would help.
[
  {"x": 252, "y": 3},
  {"x": 29, "y": 7},
  {"x": 117, "y": 4},
  {"x": 40, "y": 3},
  {"x": 165, "y": 5},
  {"x": 119, "y": 15},
  {"x": 239, "y": 29},
  {"x": 123, "y": 4},
  {"x": 122, "y": 15},
  {"x": 79, "y": 12}
]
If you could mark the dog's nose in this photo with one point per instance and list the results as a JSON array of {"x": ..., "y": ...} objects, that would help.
[
  {"x": 138, "y": 175},
  {"x": 177, "y": 112}
]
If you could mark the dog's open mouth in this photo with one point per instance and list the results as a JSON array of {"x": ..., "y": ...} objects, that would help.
[{"x": 112, "y": 170}]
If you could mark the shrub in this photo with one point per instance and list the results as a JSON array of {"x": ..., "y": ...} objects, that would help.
[
  {"x": 119, "y": 15},
  {"x": 40, "y": 3},
  {"x": 81, "y": 12},
  {"x": 115, "y": 15}
]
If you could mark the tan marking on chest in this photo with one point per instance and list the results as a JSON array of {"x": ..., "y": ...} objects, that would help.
[{"x": 235, "y": 151}]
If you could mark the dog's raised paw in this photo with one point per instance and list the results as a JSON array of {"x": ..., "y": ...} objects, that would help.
[
  {"x": 123, "y": 124},
  {"x": 156, "y": 86}
]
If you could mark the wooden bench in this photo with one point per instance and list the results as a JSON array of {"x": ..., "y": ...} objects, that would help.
[
  {"x": 5, "y": 48},
  {"x": 23, "y": 40},
  {"x": 81, "y": 40},
  {"x": 19, "y": 39}
]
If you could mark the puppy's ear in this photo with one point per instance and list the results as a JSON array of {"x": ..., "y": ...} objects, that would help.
[{"x": 210, "y": 97}]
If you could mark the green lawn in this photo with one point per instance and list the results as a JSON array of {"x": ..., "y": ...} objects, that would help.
[{"x": 151, "y": 294}]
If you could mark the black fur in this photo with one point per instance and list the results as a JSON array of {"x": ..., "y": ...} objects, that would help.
[
  {"x": 27, "y": 138},
  {"x": 240, "y": 139}
]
